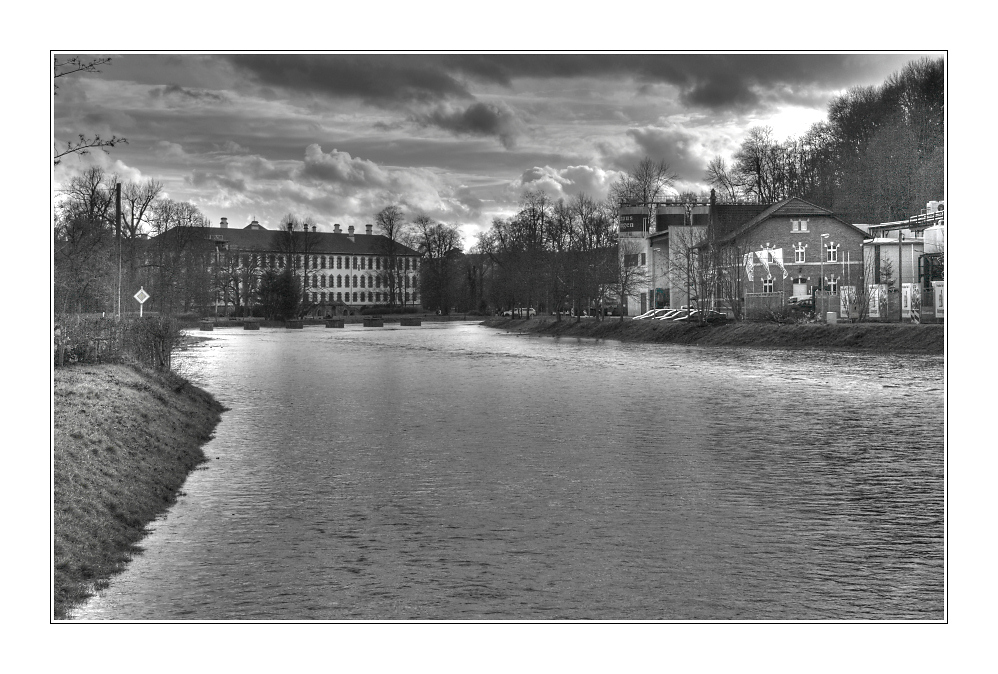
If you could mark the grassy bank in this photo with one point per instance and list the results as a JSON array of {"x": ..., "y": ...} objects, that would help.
[
  {"x": 124, "y": 441},
  {"x": 885, "y": 337}
]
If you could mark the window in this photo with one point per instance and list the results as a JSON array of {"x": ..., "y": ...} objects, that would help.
[
  {"x": 631, "y": 260},
  {"x": 362, "y": 262},
  {"x": 322, "y": 262},
  {"x": 833, "y": 286},
  {"x": 355, "y": 294},
  {"x": 280, "y": 261},
  {"x": 798, "y": 225},
  {"x": 377, "y": 281},
  {"x": 833, "y": 253},
  {"x": 323, "y": 296},
  {"x": 315, "y": 282},
  {"x": 339, "y": 297},
  {"x": 354, "y": 262},
  {"x": 377, "y": 263},
  {"x": 355, "y": 281},
  {"x": 642, "y": 259},
  {"x": 767, "y": 285},
  {"x": 339, "y": 263},
  {"x": 799, "y": 252},
  {"x": 339, "y": 281},
  {"x": 323, "y": 282},
  {"x": 362, "y": 280},
  {"x": 315, "y": 297}
]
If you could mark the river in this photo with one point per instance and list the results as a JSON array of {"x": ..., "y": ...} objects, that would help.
[{"x": 455, "y": 472}]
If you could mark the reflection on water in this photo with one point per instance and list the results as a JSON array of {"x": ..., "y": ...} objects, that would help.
[{"x": 453, "y": 472}]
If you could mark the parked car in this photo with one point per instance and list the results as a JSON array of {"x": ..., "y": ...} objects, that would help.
[
  {"x": 521, "y": 312},
  {"x": 654, "y": 313},
  {"x": 709, "y": 316}
]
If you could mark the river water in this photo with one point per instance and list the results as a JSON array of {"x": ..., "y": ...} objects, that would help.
[{"x": 454, "y": 472}]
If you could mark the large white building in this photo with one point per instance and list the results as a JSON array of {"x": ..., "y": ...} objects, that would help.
[{"x": 344, "y": 271}]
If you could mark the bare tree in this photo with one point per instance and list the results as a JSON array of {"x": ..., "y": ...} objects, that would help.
[
  {"x": 643, "y": 184},
  {"x": 391, "y": 223},
  {"x": 438, "y": 243},
  {"x": 632, "y": 277}
]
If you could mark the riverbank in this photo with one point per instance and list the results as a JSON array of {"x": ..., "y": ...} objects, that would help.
[
  {"x": 124, "y": 441},
  {"x": 884, "y": 337}
]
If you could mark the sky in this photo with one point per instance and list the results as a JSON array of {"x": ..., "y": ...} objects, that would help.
[{"x": 456, "y": 137}]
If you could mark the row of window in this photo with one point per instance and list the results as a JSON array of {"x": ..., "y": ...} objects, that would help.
[
  {"x": 358, "y": 297},
  {"x": 767, "y": 285},
  {"x": 364, "y": 281},
  {"x": 831, "y": 252},
  {"x": 322, "y": 261}
]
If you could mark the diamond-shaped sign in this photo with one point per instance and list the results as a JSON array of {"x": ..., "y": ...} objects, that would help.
[{"x": 141, "y": 296}]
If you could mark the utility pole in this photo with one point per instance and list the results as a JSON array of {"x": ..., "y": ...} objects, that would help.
[{"x": 117, "y": 233}]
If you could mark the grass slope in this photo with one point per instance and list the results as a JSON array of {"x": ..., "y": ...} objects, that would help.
[
  {"x": 886, "y": 337},
  {"x": 124, "y": 441}
]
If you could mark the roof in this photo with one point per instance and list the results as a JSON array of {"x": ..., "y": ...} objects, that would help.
[
  {"x": 323, "y": 242},
  {"x": 793, "y": 207}
]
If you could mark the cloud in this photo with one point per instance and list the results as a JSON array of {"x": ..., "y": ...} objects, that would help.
[
  {"x": 378, "y": 79},
  {"x": 340, "y": 167},
  {"x": 200, "y": 178},
  {"x": 166, "y": 149},
  {"x": 566, "y": 182},
  {"x": 478, "y": 119},
  {"x": 177, "y": 92}
]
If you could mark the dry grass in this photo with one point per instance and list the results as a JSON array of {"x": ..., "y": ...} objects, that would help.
[
  {"x": 886, "y": 337},
  {"x": 124, "y": 441}
]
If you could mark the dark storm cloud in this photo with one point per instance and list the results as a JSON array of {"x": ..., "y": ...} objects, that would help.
[
  {"x": 478, "y": 119},
  {"x": 383, "y": 80},
  {"x": 705, "y": 80},
  {"x": 711, "y": 81}
]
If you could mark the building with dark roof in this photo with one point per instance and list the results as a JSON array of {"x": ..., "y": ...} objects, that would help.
[
  {"x": 787, "y": 234},
  {"x": 341, "y": 272}
]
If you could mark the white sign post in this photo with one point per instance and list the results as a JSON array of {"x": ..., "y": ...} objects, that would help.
[{"x": 141, "y": 296}]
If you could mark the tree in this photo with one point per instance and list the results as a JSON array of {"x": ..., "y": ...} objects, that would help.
[
  {"x": 82, "y": 146},
  {"x": 391, "y": 222},
  {"x": 439, "y": 245},
  {"x": 180, "y": 258},
  {"x": 298, "y": 241},
  {"x": 632, "y": 278},
  {"x": 643, "y": 184},
  {"x": 137, "y": 200},
  {"x": 84, "y": 243}
]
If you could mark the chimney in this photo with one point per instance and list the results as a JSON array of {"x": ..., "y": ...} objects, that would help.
[
  {"x": 350, "y": 232},
  {"x": 336, "y": 228},
  {"x": 369, "y": 228},
  {"x": 313, "y": 228},
  {"x": 223, "y": 223}
]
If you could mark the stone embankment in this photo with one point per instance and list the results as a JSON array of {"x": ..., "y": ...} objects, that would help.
[
  {"x": 125, "y": 440},
  {"x": 882, "y": 337}
]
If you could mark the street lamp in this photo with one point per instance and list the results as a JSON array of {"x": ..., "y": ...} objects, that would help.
[{"x": 822, "y": 279}]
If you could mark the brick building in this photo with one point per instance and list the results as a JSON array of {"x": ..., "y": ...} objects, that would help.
[{"x": 787, "y": 248}]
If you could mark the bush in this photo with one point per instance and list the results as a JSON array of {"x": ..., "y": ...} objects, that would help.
[{"x": 98, "y": 339}]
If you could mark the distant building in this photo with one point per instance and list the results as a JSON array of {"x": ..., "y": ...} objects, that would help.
[{"x": 345, "y": 271}]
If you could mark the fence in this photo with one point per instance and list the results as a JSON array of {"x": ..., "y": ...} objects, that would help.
[{"x": 762, "y": 306}]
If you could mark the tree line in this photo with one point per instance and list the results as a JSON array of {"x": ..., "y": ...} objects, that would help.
[{"x": 879, "y": 156}]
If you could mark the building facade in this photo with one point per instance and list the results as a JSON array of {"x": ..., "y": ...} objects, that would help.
[{"x": 340, "y": 272}]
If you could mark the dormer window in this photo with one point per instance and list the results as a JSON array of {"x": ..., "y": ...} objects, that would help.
[{"x": 798, "y": 225}]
